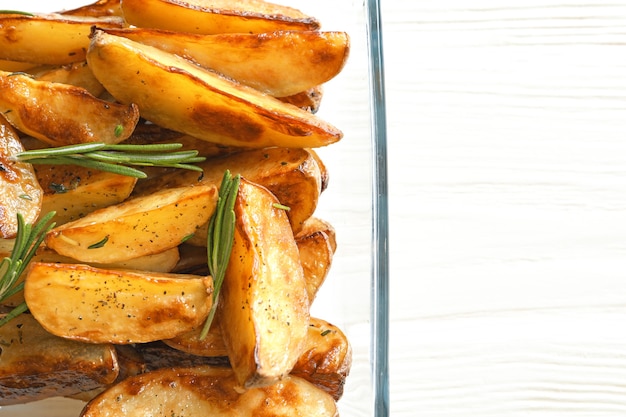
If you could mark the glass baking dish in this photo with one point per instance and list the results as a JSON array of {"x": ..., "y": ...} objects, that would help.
[{"x": 354, "y": 296}]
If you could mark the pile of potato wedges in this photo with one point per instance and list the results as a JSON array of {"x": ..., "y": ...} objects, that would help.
[{"x": 119, "y": 290}]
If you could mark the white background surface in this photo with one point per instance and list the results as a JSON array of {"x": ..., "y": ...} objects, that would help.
[
  {"x": 507, "y": 196},
  {"x": 508, "y": 190}
]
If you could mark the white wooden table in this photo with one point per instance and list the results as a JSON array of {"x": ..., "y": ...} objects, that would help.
[{"x": 507, "y": 146}]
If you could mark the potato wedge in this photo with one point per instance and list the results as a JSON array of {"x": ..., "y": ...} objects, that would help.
[
  {"x": 136, "y": 227},
  {"x": 61, "y": 114},
  {"x": 327, "y": 358},
  {"x": 216, "y": 16},
  {"x": 280, "y": 63},
  {"x": 77, "y": 74},
  {"x": 35, "y": 364},
  {"x": 176, "y": 94},
  {"x": 72, "y": 191},
  {"x": 19, "y": 188},
  {"x": 263, "y": 306},
  {"x": 16, "y": 66},
  {"x": 51, "y": 39},
  {"x": 208, "y": 391},
  {"x": 115, "y": 306},
  {"x": 313, "y": 225},
  {"x": 292, "y": 175}
]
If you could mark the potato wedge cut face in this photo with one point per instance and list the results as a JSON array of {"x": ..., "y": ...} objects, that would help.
[
  {"x": 176, "y": 94},
  {"x": 208, "y": 391},
  {"x": 263, "y": 305},
  {"x": 61, "y": 114},
  {"x": 115, "y": 306},
  {"x": 136, "y": 227},
  {"x": 19, "y": 189},
  {"x": 216, "y": 16},
  {"x": 35, "y": 364}
]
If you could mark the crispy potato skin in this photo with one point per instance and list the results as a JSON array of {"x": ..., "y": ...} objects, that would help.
[
  {"x": 60, "y": 114},
  {"x": 216, "y": 16},
  {"x": 263, "y": 307},
  {"x": 35, "y": 365},
  {"x": 115, "y": 306},
  {"x": 176, "y": 94},
  {"x": 210, "y": 391},
  {"x": 19, "y": 188}
]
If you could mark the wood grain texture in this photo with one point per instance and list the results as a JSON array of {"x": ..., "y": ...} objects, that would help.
[{"x": 508, "y": 190}]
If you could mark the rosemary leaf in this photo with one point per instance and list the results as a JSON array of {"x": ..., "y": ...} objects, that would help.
[
  {"x": 29, "y": 238},
  {"x": 220, "y": 239}
]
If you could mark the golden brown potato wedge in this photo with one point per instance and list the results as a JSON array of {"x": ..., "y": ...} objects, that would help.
[
  {"x": 136, "y": 227},
  {"x": 292, "y": 175},
  {"x": 263, "y": 305},
  {"x": 61, "y": 114},
  {"x": 115, "y": 306},
  {"x": 179, "y": 95},
  {"x": 158, "y": 262},
  {"x": 77, "y": 74},
  {"x": 216, "y": 16},
  {"x": 51, "y": 39},
  {"x": 19, "y": 188},
  {"x": 327, "y": 358},
  {"x": 210, "y": 391},
  {"x": 35, "y": 364},
  {"x": 280, "y": 63},
  {"x": 73, "y": 192},
  {"x": 100, "y": 8}
]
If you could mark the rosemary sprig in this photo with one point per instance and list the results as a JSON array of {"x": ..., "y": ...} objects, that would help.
[
  {"x": 116, "y": 158},
  {"x": 220, "y": 239},
  {"x": 28, "y": 239}
]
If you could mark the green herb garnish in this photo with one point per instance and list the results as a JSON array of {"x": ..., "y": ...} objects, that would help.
[
  {"x": 28, "y": 239},
  {"x": 116, "y": 158},
  {"x": 220, "y": 239},
  {"x": 16, "y": 12}
]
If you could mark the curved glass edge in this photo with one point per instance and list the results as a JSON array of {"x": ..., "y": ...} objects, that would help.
[{"x": 380, "y": 226}]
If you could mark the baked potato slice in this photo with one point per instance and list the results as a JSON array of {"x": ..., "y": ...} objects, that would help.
[
  {"x": 73, "y": 191},
  {"x": 309, "y": 100},
  {"x": 115, "y": 306},
  {"x": 61, "y": 114},
  {"x": 280, "y": 63},
  {"x": 19, "y": 188},
  {"x": 263, "y": 305},
  {"x": 216, "y": 16},
  {"x": 208, "y": 391},
  {"x": 174, "y": 93},
  {"x": 51, "y": 39},
  {"x": 136, "y": 227},
  {"x": 34, "y": 364}
]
